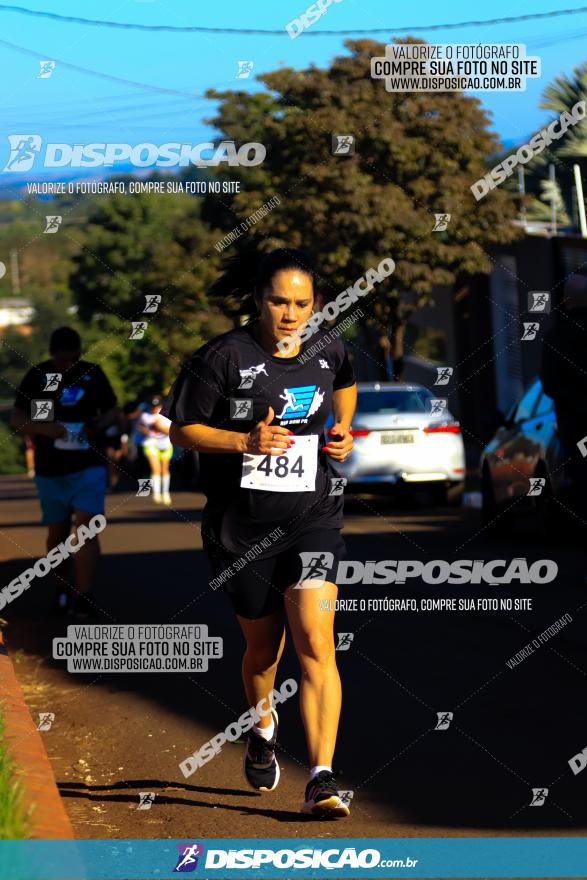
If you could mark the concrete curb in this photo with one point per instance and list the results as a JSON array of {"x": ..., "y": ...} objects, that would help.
[{"x": 48, "y": 819}]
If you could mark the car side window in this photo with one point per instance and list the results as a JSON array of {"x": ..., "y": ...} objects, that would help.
[
  {"x": 544, "y": 406},
  {"x": 525, "y": 407}
]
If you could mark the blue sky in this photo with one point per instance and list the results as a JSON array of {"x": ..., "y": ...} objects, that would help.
[{"x": 73, "y": 107}]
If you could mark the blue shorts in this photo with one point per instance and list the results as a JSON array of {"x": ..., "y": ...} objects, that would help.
[{"x": 82, "y": 490}]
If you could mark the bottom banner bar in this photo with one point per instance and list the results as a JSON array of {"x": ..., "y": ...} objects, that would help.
[{"x": 385, "y": 858}]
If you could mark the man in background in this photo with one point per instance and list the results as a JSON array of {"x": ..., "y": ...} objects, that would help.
[{"x": 65, "y": 404}]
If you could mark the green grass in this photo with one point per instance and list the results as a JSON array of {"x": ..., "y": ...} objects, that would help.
[{"x": 13, "y": 817}]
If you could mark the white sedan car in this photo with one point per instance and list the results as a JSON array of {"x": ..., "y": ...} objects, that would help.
[{"x": 404, "y": 435}]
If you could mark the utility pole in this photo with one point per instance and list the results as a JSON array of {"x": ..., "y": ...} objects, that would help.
[
  {"x": 14, "y": 273},
  {"x": 522, "y": 189},
  {"x": 580, "y": 201},
  {"x": 552, "y": 175}
]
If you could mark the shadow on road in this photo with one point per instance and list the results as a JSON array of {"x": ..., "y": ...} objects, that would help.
[{"x": 512, "y": 730}]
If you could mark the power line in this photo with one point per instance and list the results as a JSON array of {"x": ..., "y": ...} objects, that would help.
[
  {"x": 73, "y": 104},
  {"x": 85, "y": 117},
  {"x": 282, "y": 32},
  {"x": 87, "y": 70}
]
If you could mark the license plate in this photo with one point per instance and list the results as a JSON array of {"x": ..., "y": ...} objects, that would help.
[{"x": 397, "y": 438}]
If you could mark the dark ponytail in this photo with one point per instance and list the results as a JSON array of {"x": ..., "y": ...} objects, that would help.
[{"x": 246, "y": 275}]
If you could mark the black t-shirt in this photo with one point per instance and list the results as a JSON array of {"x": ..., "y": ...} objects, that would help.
[
  {"x": 210, "y": 390},
  {"x": 83, "y": 393}
]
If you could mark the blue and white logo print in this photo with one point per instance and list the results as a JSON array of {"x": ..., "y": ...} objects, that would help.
[
  {"x": 300, "y": 402},
  {"x": 72, "y": 395},
  {"x": 187, "y": 861}
]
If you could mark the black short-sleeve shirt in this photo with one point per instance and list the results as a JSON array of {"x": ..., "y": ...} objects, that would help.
[
  {"x": 213, "y": 387},
  {"x": 83, "y": 393}
]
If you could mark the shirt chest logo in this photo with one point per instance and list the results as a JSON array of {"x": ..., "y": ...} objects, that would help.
[
  {"x": 249, "y": 375},
  {"x": 71, "y": 396},
  {"x": 300, "y": 402}
]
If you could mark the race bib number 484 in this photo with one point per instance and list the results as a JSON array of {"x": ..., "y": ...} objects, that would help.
[{"x": 292, "y": 471}]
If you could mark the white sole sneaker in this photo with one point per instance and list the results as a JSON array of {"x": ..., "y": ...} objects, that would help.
[
  {"x": 332, "y": 806},
  {"x": 277, "y": 770}
]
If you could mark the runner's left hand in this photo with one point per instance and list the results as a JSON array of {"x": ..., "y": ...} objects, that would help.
[{"x": 340, "y": 448}]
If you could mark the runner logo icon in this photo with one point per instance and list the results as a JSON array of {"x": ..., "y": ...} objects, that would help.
[
  {"x": 344, "y": 641},
  {"x": 249, "y": 375},
  {"x": 146, "y": 800},
  {"x": 444, "y": 719},
  {"x": 539, "y": 301},
  {"x": 42, "y": 410},
  {"x": 189, "y": 853},
  {"x": 53, "y": 222},
  {"x": 300, "y": 402},
  {"x": 52, "y": 381},
  {"x": 537, "y": 484},
  {"x": 23, "y": 149},
  {"x": 315, "y": 566},
  {"x": 46, "y": 719},
  {"x": 531, "y": 329}
]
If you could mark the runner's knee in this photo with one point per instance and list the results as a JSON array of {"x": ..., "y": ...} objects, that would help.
[
  {"x": 315, "y": 648},
  {"x": 58, "y": 532},
  {"x": 261, "y": 657}
]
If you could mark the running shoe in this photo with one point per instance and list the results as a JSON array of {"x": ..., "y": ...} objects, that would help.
[
  {"x": 322, "y": 798},
  {"x": 260, "y": 764},
  {"x": 167, "y": 499},
  {"x": 157, "y": 499}
]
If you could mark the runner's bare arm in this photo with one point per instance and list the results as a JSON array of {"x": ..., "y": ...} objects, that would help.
[
  {"x": 344, "y": 402},
  {"x": 20, "y": 422},
  {"x": 262, "y": 439}
]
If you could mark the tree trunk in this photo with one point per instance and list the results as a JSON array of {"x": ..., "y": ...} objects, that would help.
[{"x": 396, "y": 332}]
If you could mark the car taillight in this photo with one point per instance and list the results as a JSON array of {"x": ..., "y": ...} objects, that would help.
[
  {"x": 443, "y": 429},
  {"x": 360, "y": 433}
]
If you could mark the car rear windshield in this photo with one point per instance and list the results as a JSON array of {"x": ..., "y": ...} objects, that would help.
[{"x": 392, "y": 401}]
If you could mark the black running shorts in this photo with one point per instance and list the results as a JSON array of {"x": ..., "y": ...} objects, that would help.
[{"x": 256, "y": 588}]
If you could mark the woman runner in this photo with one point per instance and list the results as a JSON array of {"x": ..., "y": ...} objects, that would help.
[
  {"x": 257, "y": 419},
  {"x": 158, "y": 450}
]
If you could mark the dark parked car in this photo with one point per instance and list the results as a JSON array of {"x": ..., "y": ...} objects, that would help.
[{"x": 525, "y": 446}]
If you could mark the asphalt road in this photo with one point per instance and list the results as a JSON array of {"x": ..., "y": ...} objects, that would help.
[{"x": 512, "y": 730}]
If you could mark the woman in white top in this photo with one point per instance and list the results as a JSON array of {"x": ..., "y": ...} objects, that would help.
[{"x": 158, "y": 450}]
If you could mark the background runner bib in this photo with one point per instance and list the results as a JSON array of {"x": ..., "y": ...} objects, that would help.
[{"x": 75, "y": 437}]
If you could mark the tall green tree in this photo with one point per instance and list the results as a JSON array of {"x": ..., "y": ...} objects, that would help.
[
  {"x": 561, "y": 96},
  {"x": 135, "y": 247},
  {"x": 417, "y": 154}
]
